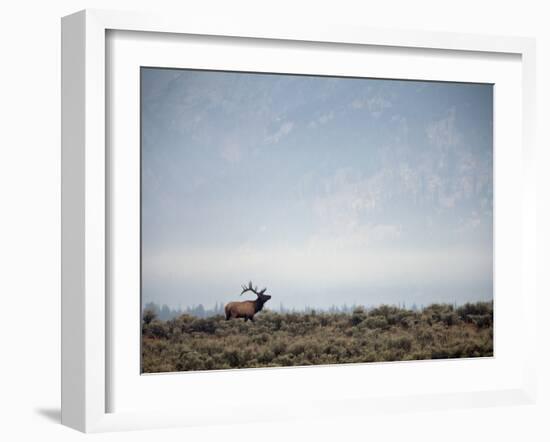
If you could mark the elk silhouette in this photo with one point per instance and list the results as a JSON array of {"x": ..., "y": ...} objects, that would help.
[{"x": 247, "y": 309}]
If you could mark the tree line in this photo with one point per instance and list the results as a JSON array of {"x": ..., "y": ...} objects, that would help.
[{"x": 165, "y": 313}]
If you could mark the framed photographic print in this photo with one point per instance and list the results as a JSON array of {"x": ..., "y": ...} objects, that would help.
[{"x": 289, "y": 208}]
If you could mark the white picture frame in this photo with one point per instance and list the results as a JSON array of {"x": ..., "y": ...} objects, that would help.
[{"x": 86, "y": 203}]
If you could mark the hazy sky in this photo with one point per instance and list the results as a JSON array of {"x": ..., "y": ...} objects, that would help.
[{"x": 325, "y": 190}]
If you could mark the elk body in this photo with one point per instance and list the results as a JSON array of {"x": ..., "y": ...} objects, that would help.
[{"x": 247, "y": 309}]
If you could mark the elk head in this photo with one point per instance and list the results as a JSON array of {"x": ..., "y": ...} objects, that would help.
[{"x": 262, "y": 297}]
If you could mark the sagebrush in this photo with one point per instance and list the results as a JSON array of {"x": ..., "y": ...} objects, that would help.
[{"x": 385, "y": 333}]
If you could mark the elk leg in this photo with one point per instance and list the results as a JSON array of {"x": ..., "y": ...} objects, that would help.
[{"x": 252, "y": 318}]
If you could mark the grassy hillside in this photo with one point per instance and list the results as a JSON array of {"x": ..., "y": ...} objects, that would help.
[{"x": 385, "y": 333}]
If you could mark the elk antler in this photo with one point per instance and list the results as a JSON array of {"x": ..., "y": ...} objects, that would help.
[{"x": 253, "y": 290}]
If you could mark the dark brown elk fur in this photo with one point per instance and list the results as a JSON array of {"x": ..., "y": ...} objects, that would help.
[{"x": 247, "y": 309}]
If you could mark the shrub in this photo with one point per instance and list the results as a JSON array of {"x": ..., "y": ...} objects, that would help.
[
  {"x": 401, "y": 342},
  {"x": 278, "y": 347},
  {"x": 232, "y": 357},
  {"x": 149, "y": 315},
  {"x": 377, "y": 322},
  {"x": 358, "y": 316},
  {"x": 479, "y": 308},
  {"x": 156, "y": 329},
  {"x": 297, "y": 348}
]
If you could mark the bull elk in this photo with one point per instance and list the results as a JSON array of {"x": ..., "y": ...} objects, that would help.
[{"x": 247, "y": 309}]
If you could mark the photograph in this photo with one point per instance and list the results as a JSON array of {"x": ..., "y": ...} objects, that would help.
[{"x": 292, "y": 220}]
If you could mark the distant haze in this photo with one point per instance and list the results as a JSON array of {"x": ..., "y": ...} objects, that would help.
[{"x": 327, "y": 191}]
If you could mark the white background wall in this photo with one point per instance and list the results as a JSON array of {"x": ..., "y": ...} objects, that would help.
[{"x": 30, "y": 216}]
